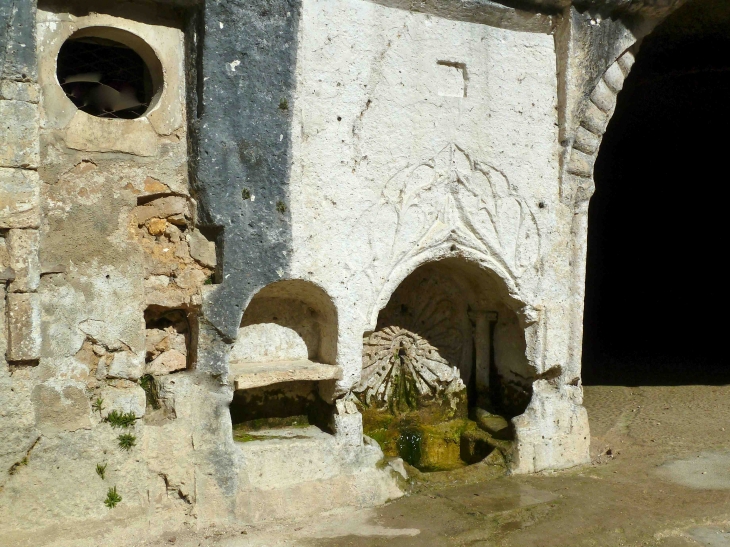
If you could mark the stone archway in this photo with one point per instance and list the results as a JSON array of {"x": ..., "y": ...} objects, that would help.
[{"x": 445, "y": 368}]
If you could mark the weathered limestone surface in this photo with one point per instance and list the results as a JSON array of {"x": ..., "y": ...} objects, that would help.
[
  {"x": 23, "y": 253},
  {"x": 24, "y": 326},
  {"x": 18, "y": 125},
  {"x": 248, "y": 375},
  {"x": 19, "y": 192}
]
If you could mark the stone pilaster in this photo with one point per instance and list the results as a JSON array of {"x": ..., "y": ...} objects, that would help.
[{"x": 19, "y": 182}]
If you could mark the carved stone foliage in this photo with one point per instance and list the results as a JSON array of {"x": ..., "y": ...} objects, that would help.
[
  {"x": 449, "y": 198},
  {"x": 401, "y": 370}
]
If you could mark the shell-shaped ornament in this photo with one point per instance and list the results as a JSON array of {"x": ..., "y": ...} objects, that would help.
[{"x": 401, "y": 370}]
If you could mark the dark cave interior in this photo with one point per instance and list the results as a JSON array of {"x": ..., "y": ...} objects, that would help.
[{"x": 656, "y": 293}]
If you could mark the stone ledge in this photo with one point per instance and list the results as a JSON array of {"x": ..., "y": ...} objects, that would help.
[{"x": 251, "y": 375}]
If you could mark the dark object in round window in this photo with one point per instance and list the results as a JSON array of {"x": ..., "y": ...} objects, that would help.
[{"x": 105, "y": 78}]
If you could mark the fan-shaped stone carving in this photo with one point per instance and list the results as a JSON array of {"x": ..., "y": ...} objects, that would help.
[
  {"x": 433, "y": 306},
  {"x": 401, "y": 370}
]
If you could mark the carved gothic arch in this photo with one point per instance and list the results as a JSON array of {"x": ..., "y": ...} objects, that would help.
[{"x": 449, "y": 249}]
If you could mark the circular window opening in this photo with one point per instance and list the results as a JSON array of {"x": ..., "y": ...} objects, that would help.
[{"x": 109, "y": 73}]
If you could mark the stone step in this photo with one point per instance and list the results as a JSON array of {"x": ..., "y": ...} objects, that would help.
[{"x": 494, "y": 424}]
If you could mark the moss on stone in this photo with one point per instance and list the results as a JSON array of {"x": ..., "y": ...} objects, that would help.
[
  {"x": 147, "y": 382},
  {"x": 435, "y": 437}
]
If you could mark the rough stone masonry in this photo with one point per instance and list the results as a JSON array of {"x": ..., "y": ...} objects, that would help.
[{"x": 229, "y": 230}]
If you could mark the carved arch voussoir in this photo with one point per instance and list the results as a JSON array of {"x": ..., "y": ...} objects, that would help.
[{"x": 588, "y": 136}]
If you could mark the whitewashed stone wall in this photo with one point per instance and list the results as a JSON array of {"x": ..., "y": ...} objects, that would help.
[
  {"x": 419, "y": 138},
  {"x": 416, "y": 137}
]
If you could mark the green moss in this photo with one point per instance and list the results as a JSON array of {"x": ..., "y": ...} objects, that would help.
[
  {"x": 242, "y": 437},
  {"x": 246, "y": 193},
  {"x": 272, "y": 423},
  {"x": 380, "y": 436},
  {"x": 281, "y": 207},
  {"x": 409, "y": 446},
  {"x": 405, "y": 395},
  {"x": 441, "y": 446},
  {"x": 147, "y": 382},
  {"x": 283, "y": 104},
  {"x": 425, "y": 445},
  {"x": 430, "y": 434}
]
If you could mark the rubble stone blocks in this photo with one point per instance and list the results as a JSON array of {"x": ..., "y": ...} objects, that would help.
[
  {"x": 202, "y": 250},
  {"x": 129, "y": 399},
  {"x": 126, "y": 365},
  {"x": 19, "y": 134},
  {"x": 167, "y": 362},
  {"x": 23, "y": 250},
  {"x": 19, "y": 190},
  {"x": 24, "y": 327},
  {"x": 19, "y": 91},
  {"x": 59, "y": 410}
]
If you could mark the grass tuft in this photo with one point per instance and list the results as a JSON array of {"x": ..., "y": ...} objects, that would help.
[
  {"x": 98, "y": 405},
  {"x": 101, "y": 470},
  {"x": 112, "y": 498},
  {"x": 127, "y": 441},
  {"x": 121, "y": 419}
]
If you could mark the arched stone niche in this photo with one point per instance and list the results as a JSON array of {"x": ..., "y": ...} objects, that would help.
[
  {"x": 288, "y": 333},
  {"x": 284, "y": 358},
  {"x": 289, "y": 320},
  {"x": 465, "y": 314}
]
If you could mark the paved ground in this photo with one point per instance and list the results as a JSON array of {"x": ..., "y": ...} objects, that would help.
[{"x": 660, "y": 477}]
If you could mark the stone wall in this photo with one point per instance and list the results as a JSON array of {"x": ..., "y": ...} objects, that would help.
[{"x": 299, "y": 162}]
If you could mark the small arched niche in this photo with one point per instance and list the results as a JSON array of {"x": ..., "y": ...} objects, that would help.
[
  {"x": 290, "y": 320},
  {"x": 445, "y": 367},
  {"x": 285, "y": 350}
]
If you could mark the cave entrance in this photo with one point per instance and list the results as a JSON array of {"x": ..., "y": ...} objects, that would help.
[{"x": 655, "y": 298}]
